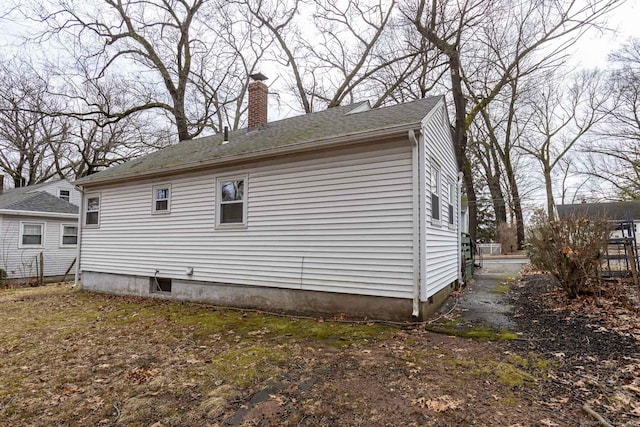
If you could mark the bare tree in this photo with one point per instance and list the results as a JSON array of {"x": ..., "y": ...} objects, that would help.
[
  {"x": 177, "y": 57},
  {"x": 343, "y": 50},
  {"x": 475, "y": 36},
  {"x": 28, "y": 134},
  {"x": 561, "y": 116},
  {"x": 614, "y": 156}
]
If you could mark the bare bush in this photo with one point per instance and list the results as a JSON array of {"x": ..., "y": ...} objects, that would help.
[{"x": 571, "y": 250}]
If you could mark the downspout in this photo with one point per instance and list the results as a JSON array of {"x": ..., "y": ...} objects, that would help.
[
  {"x": 79, "y": 243},
  {"x": 460, "y": 260},
  {"x": 415, "y": 181}
]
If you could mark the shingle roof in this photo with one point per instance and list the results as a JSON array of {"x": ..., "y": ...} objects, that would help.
[
  {"x": 342, "y": 121},
  {"x": 613, "y": 210},
  {"x": 25, "y": 199}
]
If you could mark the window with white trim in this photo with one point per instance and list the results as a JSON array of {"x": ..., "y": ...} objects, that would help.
[
  {"x": 64, "y": 195},
  {"x": 452, "y": 200},
  {"x": 231, "y": 201},
  {"x": 162, "y": 198},
  {"x": 92, "y": 210},
  {"x": 435, "y": 192},
  {"x": 68, "y": 235},
  {"x": 31, "y": 234}
]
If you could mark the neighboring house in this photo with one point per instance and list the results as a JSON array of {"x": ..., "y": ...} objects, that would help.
[
  {"x": 350, "y": 210},
  {"x": 40, "y": 218},
  {"x": 614, "y": 211}
]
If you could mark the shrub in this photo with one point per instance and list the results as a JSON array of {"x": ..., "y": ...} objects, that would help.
[
  {"x": 507, "y": 237},
  {"x": 571, "y": 250}
]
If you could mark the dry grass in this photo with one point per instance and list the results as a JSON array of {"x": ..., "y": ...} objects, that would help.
[
  {"x": 74, "y": 358},
  {"x": 97, "y": 359}
]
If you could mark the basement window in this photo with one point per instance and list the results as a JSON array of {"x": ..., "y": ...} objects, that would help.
[{"x": 160, "y": 284}]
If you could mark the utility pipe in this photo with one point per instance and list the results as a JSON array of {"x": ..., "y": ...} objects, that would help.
[
  {"x": 415, "y": 182},
  {"x": 79, "y": 242}
]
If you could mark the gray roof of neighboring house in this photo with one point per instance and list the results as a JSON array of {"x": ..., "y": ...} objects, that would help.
[
  {"x": 26, "y": 199},
  {"x": 612, "y": 210},
  {"x": 337, "y": 122}
]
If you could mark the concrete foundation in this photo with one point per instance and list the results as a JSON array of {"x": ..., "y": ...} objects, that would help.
[{"x": 264, "y": 298}]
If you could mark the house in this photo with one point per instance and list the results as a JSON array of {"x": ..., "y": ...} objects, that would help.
[
  {"x": 350, "y": 210},
  {"x": 36, "y": 219},
  {"x": 617, "y": 212}
]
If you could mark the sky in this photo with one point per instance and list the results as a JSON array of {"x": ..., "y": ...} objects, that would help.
[{"x": 592, "y": 51}]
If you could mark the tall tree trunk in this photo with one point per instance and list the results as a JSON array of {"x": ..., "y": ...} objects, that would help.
[
  {"x": 549, "y": 188},
  {"x": 471, "y": 198},
  {"x": 515, "y": 196},
  {"x": 497, "y": 198}
]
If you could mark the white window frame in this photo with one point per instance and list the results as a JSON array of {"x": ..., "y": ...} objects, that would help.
[
  {"x": 42, "y": 235},
  {"x": 436, "y": 175},
  {"x": 68, "y": 197},
  {"x": 62, "y": 243},
  {"x": 154, "y": 199},
  {"x": 218, "y": 198},
  {"x": 451, "y": 208},
  {"x": 85, "y": 210}
]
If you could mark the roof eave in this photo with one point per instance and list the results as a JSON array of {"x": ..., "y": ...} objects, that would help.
[
  {"x": 341, "y": 141},
  {"x": 39, "y": 214}
]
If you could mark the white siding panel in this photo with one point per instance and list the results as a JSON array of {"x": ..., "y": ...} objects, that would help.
[
  {"x": 339, "y": 223},
  {"x": 441, "y": 254},
  {"x": 54, "y": 188},
  {"x": 20, "y": 262}
]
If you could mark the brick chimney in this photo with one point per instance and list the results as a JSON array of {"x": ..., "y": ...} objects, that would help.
[{"x": 257, "y": 101}]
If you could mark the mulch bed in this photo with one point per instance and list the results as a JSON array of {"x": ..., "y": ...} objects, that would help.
[{"x": 594, "y": 342}]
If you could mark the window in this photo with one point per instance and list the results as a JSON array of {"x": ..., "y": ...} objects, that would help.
[
  {"x": 435, "y": 192},
  {"x": 161, "y": 198},
  {"x": 68, "y": 235},
  {"x": 64, "y": 195},
  {"x": 160, "y": 284},
  {"x": 92, "y": 214},
  {"x": 232, "y": 206},
  {"x": 452, "y": 200},
  {"x": 31, "y": 234}
]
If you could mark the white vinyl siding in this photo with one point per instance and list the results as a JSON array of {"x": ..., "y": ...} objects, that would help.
[
  {"x": 441, "y": 249},
  {"x": 338, "y": 222},
  {"x": 21, "y": 262},
  {"x": 56, "y": 187}
]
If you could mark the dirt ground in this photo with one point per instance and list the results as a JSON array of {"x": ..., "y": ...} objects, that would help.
[{"x": 70, "y": 358}]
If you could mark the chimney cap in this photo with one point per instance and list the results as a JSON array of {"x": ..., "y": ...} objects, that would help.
[{"x": 258, "y": 77}]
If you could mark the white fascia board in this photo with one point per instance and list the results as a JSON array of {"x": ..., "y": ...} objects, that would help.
[{"x": 39, "y": 214}]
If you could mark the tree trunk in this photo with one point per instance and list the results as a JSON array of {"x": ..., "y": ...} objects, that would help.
[
  {"x": 460, "y": 139},
  {"x": 472, "y": 200},
  {"x": 515, "y": 196},
  {"x": 549, "y": 188}
]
